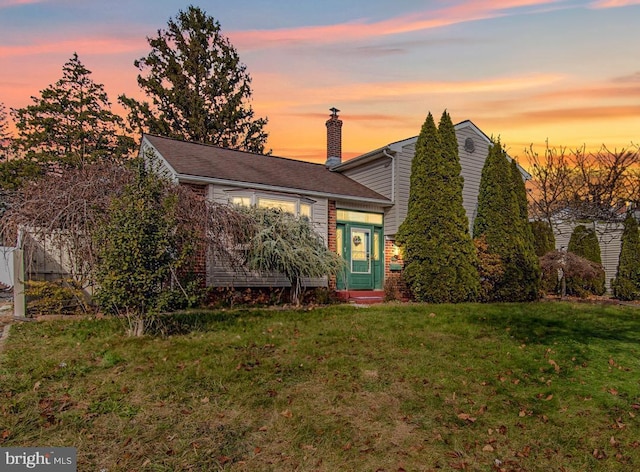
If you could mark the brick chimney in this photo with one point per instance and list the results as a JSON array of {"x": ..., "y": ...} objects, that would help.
[{"x": 334, "y": 139}]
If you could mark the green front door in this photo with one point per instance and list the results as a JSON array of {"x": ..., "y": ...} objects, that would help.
[{"x": 361, "y": 247}]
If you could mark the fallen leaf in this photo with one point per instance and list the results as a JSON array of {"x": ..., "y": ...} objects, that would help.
[
  {"x": 204, "y": 400},
  {"x": 612, "y": 362},
  {"x": 522, "y": 413},
  {"x": 146, "y": 462},
  {"x": 432, "y": 315},
  {"x": 287, "y": 413},
  {"x": 263, "y": 428},
  {"x": 466, "y": 417},
  {"x": 5, "y": 434},
  {"x": 346, "y": 447},
  {"x": 308, "y": 447},
  {"x": 613, "y": 441},
  {"x": 36, "y": 386},
  {"x": 257, "y": 450},
  {"x": 488, "y": 448},
  {"x": 549, "y": 397},
  {"x": 613, "y": 391},
  {"x": 555, "y": 365}
]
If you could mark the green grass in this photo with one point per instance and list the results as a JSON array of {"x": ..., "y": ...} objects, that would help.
[{"x": 545, "y": 386}]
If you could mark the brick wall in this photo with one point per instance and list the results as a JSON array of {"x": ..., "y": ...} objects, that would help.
[{"x": 332, "y": 218}]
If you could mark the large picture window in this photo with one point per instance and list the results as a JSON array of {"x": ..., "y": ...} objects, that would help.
[{"x": 298, "y": 206}]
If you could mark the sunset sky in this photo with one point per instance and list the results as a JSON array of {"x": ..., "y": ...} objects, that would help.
[{"x": 526, "y": 70}]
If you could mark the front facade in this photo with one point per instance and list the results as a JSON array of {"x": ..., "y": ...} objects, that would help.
[{"x": 356, "y": 206}]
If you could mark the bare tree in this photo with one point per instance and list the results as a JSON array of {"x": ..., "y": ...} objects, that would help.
[{"x": 581, "y": 185}]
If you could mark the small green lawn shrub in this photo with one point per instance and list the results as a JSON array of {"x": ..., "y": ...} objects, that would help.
[{"x": 61, "y": 297}]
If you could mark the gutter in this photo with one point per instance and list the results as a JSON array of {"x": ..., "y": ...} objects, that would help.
[{"x": 249, "y": 185}]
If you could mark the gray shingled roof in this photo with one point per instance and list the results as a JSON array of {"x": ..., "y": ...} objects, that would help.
[{"x": 211, "y": 162}]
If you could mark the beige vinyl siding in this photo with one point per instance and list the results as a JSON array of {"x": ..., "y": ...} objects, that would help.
[
  {"x": 471, "y": 169},
  {"x": 609, "y": 238},
  {"x": 403, "y": 184},
  {"x": 375, "y": 175},
  {"x": 222, "y": 274}
]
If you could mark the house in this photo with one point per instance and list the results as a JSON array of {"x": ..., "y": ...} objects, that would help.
[{"x": 357, "y": 205}]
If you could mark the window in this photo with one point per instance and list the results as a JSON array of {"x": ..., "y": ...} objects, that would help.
[
  {"x": 305, "y": 210},
  {"x": 241, "y": 201},
  {"x": 359, "y": 217},
  {"x": 298, "y": 206},
  {"x": 284, "y": 205}
]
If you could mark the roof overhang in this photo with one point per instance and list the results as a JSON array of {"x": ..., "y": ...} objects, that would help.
[{"x": 290, "y": 190}]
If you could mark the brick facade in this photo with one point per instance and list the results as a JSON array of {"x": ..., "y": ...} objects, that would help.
[{"x": 332, "y": 244}]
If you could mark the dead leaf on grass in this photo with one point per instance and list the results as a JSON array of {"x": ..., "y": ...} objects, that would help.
[
  {"x": 286, "y": 414},
  {"x": 555, "y": 365},
  {"x": 488, "y": 448},
  {"x": 466, "y": 417},
  {"x": 613, "y": 391}
]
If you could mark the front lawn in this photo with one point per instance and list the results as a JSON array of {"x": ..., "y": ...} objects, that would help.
[{"x": 535, "y": 387}]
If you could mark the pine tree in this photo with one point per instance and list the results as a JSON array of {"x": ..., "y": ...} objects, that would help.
[
  {"x": 626, "y": 285},
  {"x": 199, "y": 89},
  {"x": 501, "y": 218},
  {"x": 71, "y": 122},
  {"x": 440, "y": 260}
]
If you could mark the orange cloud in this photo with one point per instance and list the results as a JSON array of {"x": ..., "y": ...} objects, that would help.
[{"x": 361, "y": 29}]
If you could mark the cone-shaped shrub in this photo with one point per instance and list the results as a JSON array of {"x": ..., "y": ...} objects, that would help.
[
  {"x": 584, "y": 243},
  {"x": 440, "y": 260},
  {"x": 502, "y": 219},
  {"x": 626, "y": 285},
  {"x": 543, "y": 239}
]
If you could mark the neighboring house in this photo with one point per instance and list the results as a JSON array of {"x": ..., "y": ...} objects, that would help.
[
  {"x": 609, "y": 236},
  {"x": 357, "y": 206}
]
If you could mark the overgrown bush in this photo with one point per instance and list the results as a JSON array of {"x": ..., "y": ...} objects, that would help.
[
  {"x": 61, "y": 297},
  {"x": 395, "y": 288},
  {"x": 581, "y": 275}
]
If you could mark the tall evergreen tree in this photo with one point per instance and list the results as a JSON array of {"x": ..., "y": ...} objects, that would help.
[
  {"x": 71, "y": 122},
  {"x": 626, "y": 285},
  {"x": 440, "y": 260},
  {"x": 199, "y": 89},
  {"x": 501, "y": 218}
]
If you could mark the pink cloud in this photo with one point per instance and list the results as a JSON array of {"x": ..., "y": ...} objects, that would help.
[
  {"x": 601, "y": 4},
  {"x": 361, "y": 29},
  {"x": 14, "y": 3},
  {"x": 82, "y": 45}
]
